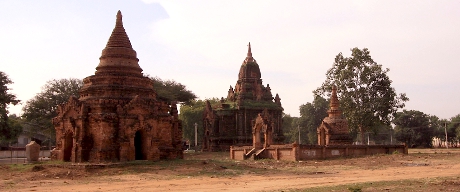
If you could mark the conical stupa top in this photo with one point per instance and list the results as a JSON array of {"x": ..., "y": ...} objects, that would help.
[
  {"x": 334, "y": 109},
  {"x": 119, "y": 38},
  {"x": 118, "y": 56},
  {"x": 249, "y": 57}
]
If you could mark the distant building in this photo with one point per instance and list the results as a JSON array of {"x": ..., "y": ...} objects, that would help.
[
  {"x": 231, "y": 121},
  {"x": 26, "y": 137}
]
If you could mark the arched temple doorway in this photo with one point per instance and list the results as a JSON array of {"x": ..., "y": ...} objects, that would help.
[
  {"x": 257, "y": 136},
  {"x": 322, "y": 137},
  {"x": 68, "y": 146},
  {"x": 138, "y": 146}
]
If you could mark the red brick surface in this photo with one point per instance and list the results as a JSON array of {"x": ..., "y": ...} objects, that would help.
[
  {"x": 117, "y": 117},
  {"x": 231, "y": 122}
]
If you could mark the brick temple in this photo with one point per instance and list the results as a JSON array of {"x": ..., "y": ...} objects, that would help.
[
  {"x": 118, "y": 116},
  {"x": 333, "y": 141},
  {"x": 231, "y": 121},
  {"x": 334, "y": 128}
]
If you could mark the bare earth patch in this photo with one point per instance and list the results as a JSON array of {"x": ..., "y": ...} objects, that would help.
[{"x": 421, "y": 170}]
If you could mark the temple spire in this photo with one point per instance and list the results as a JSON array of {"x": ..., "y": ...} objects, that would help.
[
  {"x": 249, "y": 50},
  {"x": 249, "y": 57},
  {"x": 119, "y": 38},
  {"x": 118, "y": 56},
  {"x": 334, "y": 109},
  {"x": 119, "y": 17}
]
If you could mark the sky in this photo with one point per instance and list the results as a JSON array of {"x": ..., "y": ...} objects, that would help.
[{"x": 202, "y": 44}]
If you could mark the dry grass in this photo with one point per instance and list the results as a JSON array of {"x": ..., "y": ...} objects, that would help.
[{"x": 219, "y": 166}]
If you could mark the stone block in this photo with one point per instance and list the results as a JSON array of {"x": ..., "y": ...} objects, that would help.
[{"x": 32, "y": 151}]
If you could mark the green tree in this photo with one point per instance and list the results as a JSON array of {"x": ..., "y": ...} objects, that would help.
[
  {"x": 439, "y": 128},
  {"x": 170, "y": 90},
  {"x": 453, "y": 128},
  {"x": 192, "y": 113},
  {"x": 39, "y": 111},
  {"x": 290, "y": 128},
  {"x": 15, "y": 129},
  {"x": 6, "y": 98},
  {"x": 381, "y": 134},
  {"x": 311, "y": 116},
  {"x": 364, "y": 89},
  {"x": 414, "y": 128}
]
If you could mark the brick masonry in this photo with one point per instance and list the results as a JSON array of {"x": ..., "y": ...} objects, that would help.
[
  {"x": 231, "y": 121},
  {"x": 118, "y": 116}
]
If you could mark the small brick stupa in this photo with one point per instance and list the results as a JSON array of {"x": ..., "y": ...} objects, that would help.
[
  {"x": 118, "y": 116},
  {"x": 231, "y": 121},
  {"x": 334, "y": 128}
]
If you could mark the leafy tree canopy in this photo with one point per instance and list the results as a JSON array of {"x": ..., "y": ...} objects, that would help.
[
  {"x": 454, "y": 128},
  {"x": 15, "y": 129},
  {"x": 364, "y": 89},
  {"x": 40, "y": 110},
  {"x": 311, "y": 116},
  {"x": 192, "y": 113},
  {"x": 290, "y": 128},
  {"x": 170, "y": 90},
  {"x": 439, "y": 129},
  {"x": 6, "y": 99},
  {"x": 414, "y": 128}
]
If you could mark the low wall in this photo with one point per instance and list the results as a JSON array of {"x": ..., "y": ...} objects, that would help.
[
  {"x": 284, "y": 152},
  {"x": 21, "y": 154},
  {"x": 307, "y": 152},
  {"x": 295, "y": 152}
]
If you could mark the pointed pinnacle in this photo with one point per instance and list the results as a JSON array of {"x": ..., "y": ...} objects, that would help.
[
  {"x": 119, "y": 16},
  {"x": 249, "y": 57}
]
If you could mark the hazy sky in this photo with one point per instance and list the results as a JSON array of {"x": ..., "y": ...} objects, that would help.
[{"x": 202, "y": 44}]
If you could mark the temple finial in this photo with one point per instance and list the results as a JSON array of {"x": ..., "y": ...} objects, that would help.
[
  {"x": 249, "y": 57},
  {"x": 334, "y": 100},
  {"x": 119, "y": 16},
  {"x": 249, "y": 50},
  {"x": 334, "y": 91},
  {"x": 278, "y": 100}
]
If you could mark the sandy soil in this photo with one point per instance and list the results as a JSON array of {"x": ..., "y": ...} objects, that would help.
[{"x": 215, "y": 172}]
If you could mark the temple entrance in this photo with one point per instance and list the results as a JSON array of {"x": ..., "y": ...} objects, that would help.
[
  {"x": 322, "y": 137},
  {"x": 138, "y": 146},
  {"x": 68, "y": 146},
  {"x": 257, "y": 136}
]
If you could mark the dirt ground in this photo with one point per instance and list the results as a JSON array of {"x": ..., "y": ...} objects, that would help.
[{"x": 421, "y": 170}]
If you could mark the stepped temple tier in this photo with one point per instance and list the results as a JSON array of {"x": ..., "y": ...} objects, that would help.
[
  {"x": 118, "y": 116},
  {"x": 334, "y": 128},
  {"x": 231, "y": 121}
]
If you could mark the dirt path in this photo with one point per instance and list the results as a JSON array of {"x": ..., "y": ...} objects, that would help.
[
  {"x": 141, "y": 182},
  {"x": 282, "y": 175}
]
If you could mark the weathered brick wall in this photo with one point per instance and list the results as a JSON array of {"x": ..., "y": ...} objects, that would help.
[{"x": 294, "y": 152}]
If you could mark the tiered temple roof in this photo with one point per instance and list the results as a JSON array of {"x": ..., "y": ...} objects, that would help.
[{"x": 230, "y": 122}]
